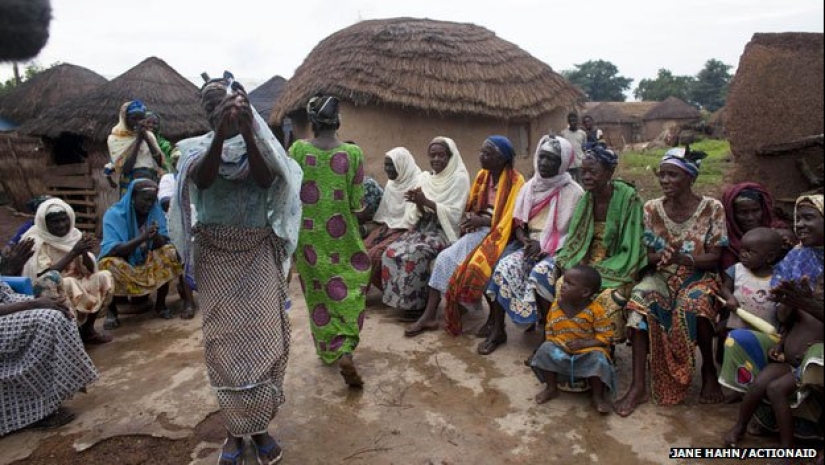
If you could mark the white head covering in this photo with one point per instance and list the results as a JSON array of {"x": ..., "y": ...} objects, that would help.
[
  {"x": 560, "y": 189},
  {"x": 166, "y": 186},
  {"x": 40, "y": 260},
  {"x": 393, "y": 204},
  {"x": 449, "y": 190}
]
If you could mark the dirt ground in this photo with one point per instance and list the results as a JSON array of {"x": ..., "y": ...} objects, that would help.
[{"x": 427, "y": 400}]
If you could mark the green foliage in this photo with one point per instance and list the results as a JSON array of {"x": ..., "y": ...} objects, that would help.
[
  {"x": 640, "y": 168},
  {"x": 600, "y": 80},
  {"x": 30, "y": 70},
  {"x": 665, "y": 85},
  {"x": 711, "y": 86}
]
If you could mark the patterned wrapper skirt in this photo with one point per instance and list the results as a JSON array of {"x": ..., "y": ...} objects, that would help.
[
  {"x": 161, "y": 267},
  {"x": 550, "y": 357},
  {"x": 243, "y": 292},
  {"x": 42, "y": 363}
]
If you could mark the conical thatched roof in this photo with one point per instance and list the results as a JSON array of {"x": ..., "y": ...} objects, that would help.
[
  {"x": 264, "y": 96},
  {"x": 672, "y": 108},
  {"x": 428, "y": 65},
  {"x": 48, "y": 89},
  {"x": 619, "y": 112},
  {"x": 161, "y": 88}
]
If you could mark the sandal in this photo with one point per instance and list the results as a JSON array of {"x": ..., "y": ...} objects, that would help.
[
  {"x": 93, "y": 337},
  {"x": 60, "y": 417},
  {"x": 235, "y": 458},
  {"x": 188, "y": 312},
  {"x": 266, "y": 451}
]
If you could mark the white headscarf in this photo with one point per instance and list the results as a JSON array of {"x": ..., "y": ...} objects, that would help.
[
  {"x": 393, "y": 204},
  {"x": 449, "y": 190},
  {"x": 564, "y": 192},
  {"x": 40, "y": 260}
]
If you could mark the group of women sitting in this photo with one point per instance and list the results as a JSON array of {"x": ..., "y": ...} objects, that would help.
[{"x": 441, "y": 236}]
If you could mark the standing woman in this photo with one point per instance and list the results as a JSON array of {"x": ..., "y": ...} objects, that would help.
[
  {"x": 674, "y": 307},
  {"x": 245, "y": 191},
  {"x": 133, "y": 148},
  {"x": 435, "y": 207},
  {"x": 402, "y": 172},
  {"x": 331, "y": 258}
]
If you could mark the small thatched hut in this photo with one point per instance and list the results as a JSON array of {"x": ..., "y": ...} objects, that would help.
[
  {"x": 621, "y": 122},
  {"x": 403, "y": 81},
  {"x": 21, "y": 155},
  {"x": 775, "y": 105},
  {"x": 92, "y": 116},
  {"x": 263, "y": 98},
  {"x": 672, "y": 112},
  {"x": 717, "y": 123}
]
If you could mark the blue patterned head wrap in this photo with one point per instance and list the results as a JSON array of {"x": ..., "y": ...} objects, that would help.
[
  {"x": 689, "y": 161},
  {"x": 504, "y": 146},
  {"x": 603, "y": 155},
  {"x": 135, "y": 106}
]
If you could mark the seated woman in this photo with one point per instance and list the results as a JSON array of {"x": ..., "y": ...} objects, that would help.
[
  {"x": 674, "y": 306},
  {"x": 64, "y": 265},
  {"x": 462, "y": 270},
  {"x": 402, "y": 172},
  {"x": 137, "y": 251},
  {"x": 748, "y": 205},
  {"x": 435, "y": 207},
  {"x": 747, "y": 351},
  {"x": 42, "y": 361},
  {"x": 540, "y": 222}
]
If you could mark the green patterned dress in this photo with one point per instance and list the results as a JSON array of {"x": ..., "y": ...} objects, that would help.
[{"x": 333, "y": 264}]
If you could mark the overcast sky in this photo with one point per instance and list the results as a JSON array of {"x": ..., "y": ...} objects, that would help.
[{"x": 259, "y": 39}]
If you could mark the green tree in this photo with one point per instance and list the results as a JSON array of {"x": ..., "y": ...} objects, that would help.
[
  {"x": 30, "y": 70},
  {"x": 710, "y": 89},
  {"x": 600, "y": 80},
  {"x": 665, "y": 85}
]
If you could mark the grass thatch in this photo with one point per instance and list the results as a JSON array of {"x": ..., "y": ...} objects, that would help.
[
  {"x": 160, "y": 87},
  {"x": 620, "y": 112},
  {"x": 432, "y": 66},
  {"x": 264, "y": 96},
  {"x": 46, "y": 90},
  {"x": 672, "y": 108}
]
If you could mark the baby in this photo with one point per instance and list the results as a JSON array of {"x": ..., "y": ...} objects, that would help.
[
  {"x": 578, "y": 333},
  {"x": 747, "y": 284}
]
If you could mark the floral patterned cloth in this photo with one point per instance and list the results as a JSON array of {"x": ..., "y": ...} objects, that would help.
[
  {"x": 376, "y": 243},
  {"x": 161, "y": 267},
  {"x": 672, "y": 298}
]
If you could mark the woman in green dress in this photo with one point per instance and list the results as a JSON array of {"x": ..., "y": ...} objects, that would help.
[{"x": 331, "y": 258}]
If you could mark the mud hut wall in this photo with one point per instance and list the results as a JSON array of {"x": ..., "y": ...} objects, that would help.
[
  {"x": 378, "y": 129},
  {"x": 651, "y": 129},
  {"x": 22, "y": 163},
  {"x": 617, "y": 134}
]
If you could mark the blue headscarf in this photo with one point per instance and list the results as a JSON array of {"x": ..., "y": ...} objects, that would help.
[
  {"x": 603, "y": 155},
  {"x": 120, "y": 225},
  {"x": 135, "y": 106},
  {"x": 689, "y": 161},
  {"x": 504, "y": 146}
]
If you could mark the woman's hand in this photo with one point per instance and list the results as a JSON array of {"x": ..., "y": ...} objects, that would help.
[
  {"x": 796, "y": 294},
  {"x": 472, "y": 222},
  {"x": 85, "y": 245},
  {"x": 149, "y": 232},
  {"x": 53, "y": 304},
  {"x": 532, "y": 250},
  {"x": 416, "y": 196},
  {"x": 14, "y": 260}
]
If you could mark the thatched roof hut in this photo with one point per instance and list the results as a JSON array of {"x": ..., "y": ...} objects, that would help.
[
  {"x": 672, "y": 112},
  {"x": 404, "y": 80},
  {"x": 621, "y": 122},
  {"x": 24, "y": 28},
  {"x": 48, "y": 89},
  {"x": 161, "y": 88},
  {"x": 264, "y": 96},
  {"x": 775, "y": 100}
]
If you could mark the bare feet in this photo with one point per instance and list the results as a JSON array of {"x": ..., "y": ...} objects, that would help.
[
  {"x": 735, "y": 435},
  {"x": 711, "y": 391},
  {"x": 349, "y": 373},
  {"x": 420, "y": 327},
  {"x": 548, "y": 394},
  {"x": 627, "y": 404},
  {"x": 163, "y": 311},
  {"x": 484, "y": 330},
  {"x": 489, "y": 345},
  {"x": 92, "y": 337},
  {"x": 188, "y": 312},
  {"x": 602, "y": 405}
]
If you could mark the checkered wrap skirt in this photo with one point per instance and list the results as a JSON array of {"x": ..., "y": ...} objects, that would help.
[
  {"x": 42, "y": 363},
  {"x": 242, "y": 291}
]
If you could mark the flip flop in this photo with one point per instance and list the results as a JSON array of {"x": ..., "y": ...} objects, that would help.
[
  {"x": 236, "y": 458},
  {"x": 266, "y": 450}
]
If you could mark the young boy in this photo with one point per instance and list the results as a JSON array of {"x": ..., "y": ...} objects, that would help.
[
  {"x": 578, "y": 334},
  {"x": 747, "y": 284},
  {"x": 791, "y": 361},
  {"x": 577, "y": 138}
]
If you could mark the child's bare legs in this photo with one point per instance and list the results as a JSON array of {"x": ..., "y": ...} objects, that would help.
[
  {"x": 711, "y": 390},
  {"x": 597, "y": 391},
  {"x": 637, "y": 393},
  {"x": 778, "y": 392},
  {"x": 750, "y": 403},
  {"x": 551, "y": 391}
]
